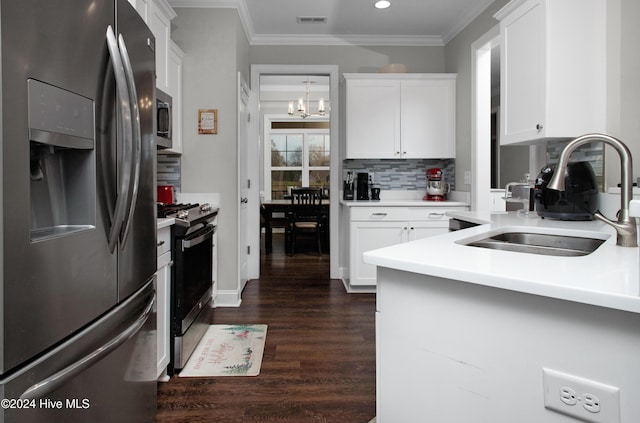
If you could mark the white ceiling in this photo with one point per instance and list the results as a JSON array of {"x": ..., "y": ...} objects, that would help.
[{"x": 350, "y": 22}]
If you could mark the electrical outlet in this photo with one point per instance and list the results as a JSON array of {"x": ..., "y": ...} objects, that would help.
[
  {"x": 467, "y": 177},
  {"x": 581, "y": 398}
]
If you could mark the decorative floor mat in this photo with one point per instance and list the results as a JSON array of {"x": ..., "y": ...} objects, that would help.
[{"x": 228, "y": 350}]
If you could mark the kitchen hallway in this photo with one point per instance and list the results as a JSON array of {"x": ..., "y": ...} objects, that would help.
[{"x": 319, "y": 358}]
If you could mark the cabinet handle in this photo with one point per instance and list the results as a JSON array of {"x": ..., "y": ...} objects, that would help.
[
  {"x": 160, "y": 244},
  {"x": 539, "y": 127},
  {"x": 378, "y": 214},
  {"x": 440, "y": 214}
]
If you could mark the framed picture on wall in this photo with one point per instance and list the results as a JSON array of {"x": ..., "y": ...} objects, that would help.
[{"x": 207, "y": 121}]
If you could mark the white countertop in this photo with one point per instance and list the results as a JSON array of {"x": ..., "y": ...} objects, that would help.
[
  {"x": 608, "y": 277},
  {"x": 402, "y": 203},
  {"x": 163, "y": 222},
  {"x": 410, "y": 198}
]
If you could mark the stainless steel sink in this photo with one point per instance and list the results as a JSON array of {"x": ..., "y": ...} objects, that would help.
[{"x": 537, "y": 243}]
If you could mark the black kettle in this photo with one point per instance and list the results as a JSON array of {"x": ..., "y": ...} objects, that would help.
[{"x": 579, "y": 201}]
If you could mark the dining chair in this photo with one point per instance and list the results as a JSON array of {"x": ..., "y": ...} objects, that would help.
[{"x": 306, "y": 215}]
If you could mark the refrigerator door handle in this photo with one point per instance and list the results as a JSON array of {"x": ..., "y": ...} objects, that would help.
[
  {"x": 135, "y": 141},
  {"x": 54, "y": 381},
  {"x": 125, "y": 120}
]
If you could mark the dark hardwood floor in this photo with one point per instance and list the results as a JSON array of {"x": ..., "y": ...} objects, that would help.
[{"x": 319, "y": 358}]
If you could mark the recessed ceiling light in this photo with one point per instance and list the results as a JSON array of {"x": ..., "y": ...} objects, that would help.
[{"x": 382, "y": 4}]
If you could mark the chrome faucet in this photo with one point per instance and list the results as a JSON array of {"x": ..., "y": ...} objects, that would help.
[{"x": 626, "y": 225}]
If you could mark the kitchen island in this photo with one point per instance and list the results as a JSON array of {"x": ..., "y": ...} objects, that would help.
[{"x": 465, "y": 333}]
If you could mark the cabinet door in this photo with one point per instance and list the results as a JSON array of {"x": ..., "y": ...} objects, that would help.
[
  {"x": 163, "y": 290},
  {"x": 554, "y": 69},
  {"x": 175, "y": 90},
  {"x": 428, "y": 119},
  {"x": 367, "y": 236},
  {"x": 522, "y": 70},
  {"x": 160, "y": 25},
  {"x": 373, "y": 119},
  {"x": 419, "y": 230}
]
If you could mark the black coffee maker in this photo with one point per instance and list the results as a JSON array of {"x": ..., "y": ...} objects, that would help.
[
  {"x": 579, "y": 200},
  {"x": 362, "y": 186}
]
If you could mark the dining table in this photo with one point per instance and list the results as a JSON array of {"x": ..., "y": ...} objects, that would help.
[{"x": 285, "y": 207}]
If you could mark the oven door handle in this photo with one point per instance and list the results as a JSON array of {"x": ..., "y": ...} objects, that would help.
[{"x": 204, "y": 236}]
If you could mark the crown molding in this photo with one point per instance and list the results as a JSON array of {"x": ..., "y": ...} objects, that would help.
[
  {"x": 333, "y": 40},
  {"x": 479, "y": 7},
  {"x": 345, "y": 40}
]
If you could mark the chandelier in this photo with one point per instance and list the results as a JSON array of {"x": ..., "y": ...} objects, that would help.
[{"x": 303, "y": 106}]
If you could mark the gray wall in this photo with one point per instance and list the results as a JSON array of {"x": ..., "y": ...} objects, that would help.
[
  {"x": 458, "y": 60},
  {"x": 624, "y": 114},
  {"x": 360, "y": 59},
  {"x": 215, "y": 49}
]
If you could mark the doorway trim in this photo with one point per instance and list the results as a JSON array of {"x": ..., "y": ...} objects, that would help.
[
  {"x": 255, "y": 139},
  {"x": 481, "y": 119}
]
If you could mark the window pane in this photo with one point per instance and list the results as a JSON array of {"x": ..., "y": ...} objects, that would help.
[
  {"x": 277, "y": 159},
  {"x": 294, "y": 158},
  {"x": 281, "y": 180},
  {"x": 286, "y": 150},
  {"x": 294, "y": 150},
  {"x": 319, "y": 150},
  {"x": 319, "y": 178},
  {"x": 278, "y": 142}
]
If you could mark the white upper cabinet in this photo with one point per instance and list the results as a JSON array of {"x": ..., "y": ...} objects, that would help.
[
  {"x": 428, "y": 111},
  {"x": 400, "y": 116},
  {"x": 553, "y": 69},
  {"x": 160, "y": 24},
  {"x": 373, "y": 118},
  {"x": 175, "y": 91}
]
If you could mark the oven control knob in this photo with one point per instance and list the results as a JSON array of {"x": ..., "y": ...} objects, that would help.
[
  {"x": 205, "y": 207},
  {"x": 182, "y": 214}
]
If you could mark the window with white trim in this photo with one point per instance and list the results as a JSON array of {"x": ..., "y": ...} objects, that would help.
[{"x": 300, "y": 157}]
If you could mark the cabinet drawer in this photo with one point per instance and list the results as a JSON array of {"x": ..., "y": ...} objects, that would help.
[
  {"x": 163, "y": 260},
  {"x": 379, "y": 213},
  {"x": 432, "y": 213},
  {"x": 164, "y": 240}
]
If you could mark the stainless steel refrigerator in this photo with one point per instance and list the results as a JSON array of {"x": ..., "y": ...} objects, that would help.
[{"x": 77, "y": 328}]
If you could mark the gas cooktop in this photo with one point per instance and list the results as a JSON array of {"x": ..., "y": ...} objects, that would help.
[{"x": 187, "y": 214}]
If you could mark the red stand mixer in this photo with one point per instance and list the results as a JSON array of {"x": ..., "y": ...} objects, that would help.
[{"x": 437, "y": 189}]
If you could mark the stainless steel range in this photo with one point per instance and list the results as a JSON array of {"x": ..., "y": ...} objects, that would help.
[{"x": 193, "y": 235}]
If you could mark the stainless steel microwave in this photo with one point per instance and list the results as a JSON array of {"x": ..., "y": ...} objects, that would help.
[{"x": 164, "y": 114}]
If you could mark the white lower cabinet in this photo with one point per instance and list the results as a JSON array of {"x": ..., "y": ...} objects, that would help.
[
  {"x": 163, "y": 297},
  {"x": 378, "y": 227}
]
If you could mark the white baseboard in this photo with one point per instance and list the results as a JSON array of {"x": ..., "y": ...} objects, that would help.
[
  {"x": 227, "y": 298},
  {"x": 358, "y": 289}
]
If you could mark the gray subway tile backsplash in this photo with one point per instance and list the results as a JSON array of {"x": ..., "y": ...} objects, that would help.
[
  {"x": 169, "y": 171},
  {"x": 401, "y": 174}
]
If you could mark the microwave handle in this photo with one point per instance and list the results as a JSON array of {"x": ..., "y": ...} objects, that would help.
[
  {"x": 122, "y": 95},
  {"x": 135, "y": 140},
  {"x": 165, "y": 105}
]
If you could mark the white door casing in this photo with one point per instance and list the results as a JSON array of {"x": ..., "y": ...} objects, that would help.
[{"x": 244, "y": 184}]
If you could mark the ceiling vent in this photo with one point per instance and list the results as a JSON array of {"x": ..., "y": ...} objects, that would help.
[{"x": 312, "y": 19}]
